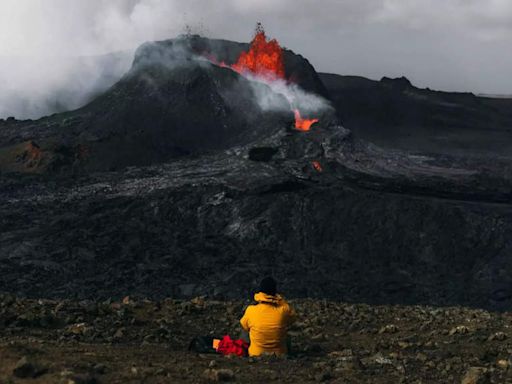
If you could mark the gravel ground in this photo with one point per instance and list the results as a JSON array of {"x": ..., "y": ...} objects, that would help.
[{"x": 141, "y": 341}]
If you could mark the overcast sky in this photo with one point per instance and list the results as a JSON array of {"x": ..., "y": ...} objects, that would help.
[{"x": 443, "y": 44}]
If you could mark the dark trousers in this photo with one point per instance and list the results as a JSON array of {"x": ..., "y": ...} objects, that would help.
[{"x": 244, "y": 335}]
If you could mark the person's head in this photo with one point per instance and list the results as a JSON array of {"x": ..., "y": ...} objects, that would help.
[{"x": 269, "y": 286}]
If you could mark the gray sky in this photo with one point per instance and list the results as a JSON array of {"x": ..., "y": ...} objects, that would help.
[{"x": 443, "y": 44}]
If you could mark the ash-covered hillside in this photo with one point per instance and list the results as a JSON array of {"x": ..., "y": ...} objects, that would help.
[{"x": 191, "y": 177}]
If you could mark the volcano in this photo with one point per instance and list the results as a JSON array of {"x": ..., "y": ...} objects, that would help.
[
  {"x": 188, "y": 177},
  {"x": 264, "y": 61},
  {"x": 170, "y": 104}
]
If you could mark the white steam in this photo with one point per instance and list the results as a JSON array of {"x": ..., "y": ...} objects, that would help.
[
  {"x": 307, "y": 103},
  {"x": 450, "y": 44},
  {"x": 35, "y": 87},
  {"x": 55, "y": 54}
]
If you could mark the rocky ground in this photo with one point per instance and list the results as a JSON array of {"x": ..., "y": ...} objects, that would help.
[
  {"x": 213, "y": 226},
  {"x": 141, "y": 341}
]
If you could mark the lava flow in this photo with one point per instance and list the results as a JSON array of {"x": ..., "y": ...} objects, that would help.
[
  {"x": 303, "y": 124},
  {"x": 265, "y": 61},
  {"x": 318, "y": 167}
]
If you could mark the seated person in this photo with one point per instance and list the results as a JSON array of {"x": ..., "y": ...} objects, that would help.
[{"x": 267, "y": 322}]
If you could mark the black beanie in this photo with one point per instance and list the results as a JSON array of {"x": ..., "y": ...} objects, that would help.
[{"x": 269, "y": 286}]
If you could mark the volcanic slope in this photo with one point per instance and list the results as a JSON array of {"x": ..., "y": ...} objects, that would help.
[
  {"x": 173, "y": 102},
  {"x": 393, "y": 113},
  {"x": 157, "y": 112},
  {"x": 177, "y": 183}
]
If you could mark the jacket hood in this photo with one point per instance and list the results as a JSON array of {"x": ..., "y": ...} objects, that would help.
[{"x": 261, "y": 297}]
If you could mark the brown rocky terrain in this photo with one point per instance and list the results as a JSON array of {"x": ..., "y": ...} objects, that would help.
[{"x": 142, "y": 341}]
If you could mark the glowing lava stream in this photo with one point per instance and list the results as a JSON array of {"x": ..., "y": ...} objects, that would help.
[
  {"x": 318, "y": 167},
  {"x": 303, "y": 124},
  {"x": 265, "y": 61}
]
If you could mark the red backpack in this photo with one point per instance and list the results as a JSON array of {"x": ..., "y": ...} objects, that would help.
[{"x": 228, "y": 346}]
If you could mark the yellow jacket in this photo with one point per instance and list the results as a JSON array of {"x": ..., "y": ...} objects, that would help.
[{"x": 267, "y": 323}]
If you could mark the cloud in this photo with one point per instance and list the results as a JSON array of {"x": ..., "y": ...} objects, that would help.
[
  {"x": 474, "y": 17},
  {"x": 449, "y": 44}
]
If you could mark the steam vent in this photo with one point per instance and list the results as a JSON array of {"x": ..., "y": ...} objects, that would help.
[{"x": 226, "y": 161}]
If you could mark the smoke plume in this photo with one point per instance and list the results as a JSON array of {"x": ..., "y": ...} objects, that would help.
[
  {"x": 54, "y": 53},
  {"x": 298, "y": 98}
]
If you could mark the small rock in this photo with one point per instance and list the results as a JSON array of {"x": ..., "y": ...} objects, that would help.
[
  {"x": 67, "y": 373},
  {"x": 460, "y": 330},
  {"x": 100, "y": 369},
  {"x": 319, "y": 337},
  {"x": 59, "y": 307},
  {"x": 421, "y": 357},
  {"x": 271, "y": 374},
  {"x": 378, "y": 358},
  {"x": 323, "y": 376},
  {"x": 78, "y": 329},
  {"x": 499, "y": 336},
  {"x": 320, "y": 364},
  {"x": 313, "y": 348},
  {"x": 503, "y": 364},
  {"x": 119, "y": 334},
  {"x": 476, "y": 375},
  {"x": 343, "y": 353},
  {"x": 82, "y": 379},
  {"x": 26, "y": 369},
  {"x": 404, "y": 344},
  {"x": 351, "y": 365},
  {"x": 219, "y": 375},
  {"x": 391, "y": 328},
  {"x": 198, "y": 301}
]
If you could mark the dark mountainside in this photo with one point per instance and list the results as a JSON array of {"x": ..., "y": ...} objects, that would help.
[
  {"x": 395, "y": 114},
  {"x": 176, "y": 183}
]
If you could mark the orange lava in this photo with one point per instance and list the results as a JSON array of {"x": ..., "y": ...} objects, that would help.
[
  {"x": 318, "y": 167},
  {"x": 214, "y": 60},
  {"x": 303, "y": 124},
  {"x": 264, "y": 59}
]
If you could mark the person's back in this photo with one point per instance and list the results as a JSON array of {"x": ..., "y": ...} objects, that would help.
[{"x": 267, "y": 322}]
